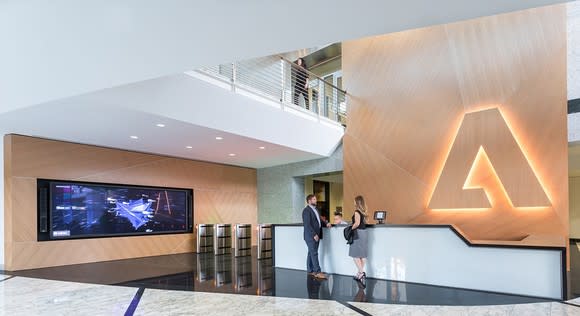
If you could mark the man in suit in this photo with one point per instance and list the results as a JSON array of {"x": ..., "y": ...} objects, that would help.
[{"x": 312, "y": 235}]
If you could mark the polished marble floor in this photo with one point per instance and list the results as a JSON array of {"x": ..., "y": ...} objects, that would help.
[
  {"x": 189, "y": 284},
  {"x": 28, "y": 296},
  {"x": 31, "y": 296}
]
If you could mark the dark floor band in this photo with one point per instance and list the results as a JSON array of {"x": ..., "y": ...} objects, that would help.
[
  {"x": 8, "y": 278},
  {"x": 133, "y": 306},
  {"x": 354, "y": 308}
]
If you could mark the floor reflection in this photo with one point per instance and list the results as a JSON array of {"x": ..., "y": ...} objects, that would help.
[
  {"x": 247, "y": 275},
  {"x": 243, "y": 273},
  {"x": 344, "y": 288},
  {"x": 221, "y": 274},
  {"x": 313, "y": 287},
  {"x": 223, "y": 270},
  {"x": 265, "y": 277},
  {"x": 205, "y": 267}
]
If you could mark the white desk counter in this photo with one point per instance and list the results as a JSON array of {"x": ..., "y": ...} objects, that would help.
[{"x": 436, "y": 255}]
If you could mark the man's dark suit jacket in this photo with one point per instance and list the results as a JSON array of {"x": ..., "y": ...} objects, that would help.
[{"x": 311, "y": 227}]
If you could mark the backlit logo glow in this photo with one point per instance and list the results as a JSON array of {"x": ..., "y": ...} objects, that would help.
[{"x": 484, "y": 138}]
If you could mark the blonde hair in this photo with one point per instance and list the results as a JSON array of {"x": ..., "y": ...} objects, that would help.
[{"x": 359, "y": 201}]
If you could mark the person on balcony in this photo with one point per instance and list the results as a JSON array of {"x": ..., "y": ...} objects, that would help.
[{"x": 300, "y": 79}]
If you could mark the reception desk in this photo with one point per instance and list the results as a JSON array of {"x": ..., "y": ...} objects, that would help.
[{"x": 435, "y": 255}]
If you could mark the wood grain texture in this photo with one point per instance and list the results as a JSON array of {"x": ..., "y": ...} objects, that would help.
[
  {"x": 222, "y": 194},
  {"x": 409, "y": 93}
]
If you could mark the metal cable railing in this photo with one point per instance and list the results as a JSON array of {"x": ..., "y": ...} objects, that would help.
[{"x": 282, "y": 81}]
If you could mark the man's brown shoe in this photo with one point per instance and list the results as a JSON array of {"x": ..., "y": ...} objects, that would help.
[{"x": 320, "y": 275}]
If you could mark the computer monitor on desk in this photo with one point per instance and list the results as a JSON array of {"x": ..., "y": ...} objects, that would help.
[{"x": 380, "y": 216}]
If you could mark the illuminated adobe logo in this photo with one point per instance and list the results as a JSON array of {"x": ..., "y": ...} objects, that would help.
[{"x": 486, "y": 134}]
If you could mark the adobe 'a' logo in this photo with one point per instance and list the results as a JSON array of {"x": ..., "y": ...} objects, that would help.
[{"x": 485, "y": 134}]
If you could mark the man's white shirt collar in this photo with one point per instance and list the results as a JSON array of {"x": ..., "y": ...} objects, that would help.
[{"x": 317, "y": 216}]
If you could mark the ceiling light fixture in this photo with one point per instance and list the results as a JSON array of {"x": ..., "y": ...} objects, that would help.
[
  {"x": 232, "y": 155},
  {"x": 160, "y": 125},
  {"x": 188, "y": 147},
  {"x": 134, "y": 137},
  {"x": 262, "y": 147},
  {"x": 219, "y": 138}
]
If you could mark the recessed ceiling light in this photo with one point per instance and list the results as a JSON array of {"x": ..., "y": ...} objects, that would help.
[
  {"x": 160, "y": 125},
  {"x": 219, "y": 138},
  {"x": 188, "y": 147},
  {"x": 134, "y": 137},
  {"x": 232, "y": 155},
  {"x": 262, "y": 147}
]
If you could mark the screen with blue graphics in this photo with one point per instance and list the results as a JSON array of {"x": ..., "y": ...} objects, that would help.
[{"x": 79, "y": 210}]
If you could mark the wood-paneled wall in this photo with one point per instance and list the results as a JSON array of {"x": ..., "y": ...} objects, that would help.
[
  {"x": 222, "y": 194},
  {"x": 411, "y": 91}
]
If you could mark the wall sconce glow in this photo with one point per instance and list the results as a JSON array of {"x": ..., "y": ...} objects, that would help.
[
  {"x": 134, "y": 137},
  {"x": 486, "y": 134},
  {"x": 219, "y": 138},
  {"x": 160, "y": 125}
]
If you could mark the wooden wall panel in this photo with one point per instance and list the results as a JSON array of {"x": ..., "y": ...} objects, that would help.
[
  {"x": 409, "y": 93},
  {"x": 386, "y": 109},
  {"x": 222, "y": 194}
]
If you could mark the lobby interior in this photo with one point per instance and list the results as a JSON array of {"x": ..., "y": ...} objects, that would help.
[{"x": 156, "y": 159}]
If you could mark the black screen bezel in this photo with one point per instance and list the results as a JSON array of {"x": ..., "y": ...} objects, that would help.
[{"x": 47, "y": 185}]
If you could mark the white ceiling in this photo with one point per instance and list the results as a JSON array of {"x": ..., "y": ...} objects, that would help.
[
  {"x": 193, "y": 112},
  {"x": 192, "y": 100},
  {"x": 112, "y": 126},
  {"x": 56, "y": 50}
]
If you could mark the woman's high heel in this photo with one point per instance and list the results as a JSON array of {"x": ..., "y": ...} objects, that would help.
[{"x": 363, "y": 279}]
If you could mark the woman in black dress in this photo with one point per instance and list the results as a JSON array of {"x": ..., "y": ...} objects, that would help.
[{"x": 359, "y": 249}]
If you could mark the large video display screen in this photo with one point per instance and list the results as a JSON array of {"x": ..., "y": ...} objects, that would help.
[{"x": 79, "y": 210}]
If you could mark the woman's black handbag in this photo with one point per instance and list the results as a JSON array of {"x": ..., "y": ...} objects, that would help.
[{"x": 349, "y": 234}]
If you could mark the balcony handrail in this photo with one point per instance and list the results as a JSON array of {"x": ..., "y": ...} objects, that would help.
[
  {"x": 273, "y": 78},
  {"x": 310, "y": 73}
]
